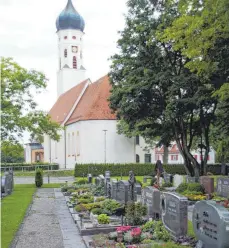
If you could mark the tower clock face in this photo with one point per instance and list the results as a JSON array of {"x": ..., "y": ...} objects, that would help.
[{"x": 74, "y": 49}]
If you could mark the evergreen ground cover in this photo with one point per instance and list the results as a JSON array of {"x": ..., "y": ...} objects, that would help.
[{"x": 13, "y": 210}]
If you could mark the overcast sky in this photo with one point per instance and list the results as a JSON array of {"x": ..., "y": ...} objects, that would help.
[{"x": 28, "y": 34}]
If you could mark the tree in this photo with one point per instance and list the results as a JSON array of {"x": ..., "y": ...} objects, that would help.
[
  {"x": 153, "y": 90},
  {"x": 19, "y": 111},
  {"x": 11, "y": 152}
]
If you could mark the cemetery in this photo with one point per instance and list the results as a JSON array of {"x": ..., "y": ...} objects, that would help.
[{"x": 127, "y": 213}]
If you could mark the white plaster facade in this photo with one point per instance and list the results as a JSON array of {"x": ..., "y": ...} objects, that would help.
[
  {"x": 86, "y": 143},
  {"x": 70, "y": 45}
]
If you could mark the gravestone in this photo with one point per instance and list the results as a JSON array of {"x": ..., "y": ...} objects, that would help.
[
  {"x": 223, "y": 187},
  {"x": 192, "y": 179},
  {"x": 168, "y": 178},
  {"x": 102, "y": 180},
  {"x": 114, "y": 189},
  {"x": 174, "y": 211},
  {"x": 207, "y": 183},
  {"x": 124, "y": 194},
  {"x": 7, "y": 183},
  {"x": 152, "y": 201},
  {"x": 137, "y": 192},
  {"x": 108, "y": 190},
  {"x": 177, "y": 180},
  {"x": 131, "y": 185},
  {"x": 106, "y": 180},
  {"x": 89, "y": 177},
  {"x": 211, "y": 225}
]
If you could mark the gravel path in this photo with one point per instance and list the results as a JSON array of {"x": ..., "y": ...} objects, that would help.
[
  {"x": 48, "y": 224},
  {"x": 30, "y": 180}
]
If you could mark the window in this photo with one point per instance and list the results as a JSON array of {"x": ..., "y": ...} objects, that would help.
[
  {"x": 137, "y": 158},
  {"x": 196, "y": 157},
  {"x": 73, "y": 37},
  {"x": 174, "y": 157},
  {"x": 147, "y": 158},
  {"x": 69, "y": 144},
  {"x": 78, "y": 143},
  {"x": 65, "y": 53},
  {"x": 137, "y": 140},
  {"x": 73, "y": 145},
  {"x": 74, "y": 62},
  {"x": 65, "y": 37}
]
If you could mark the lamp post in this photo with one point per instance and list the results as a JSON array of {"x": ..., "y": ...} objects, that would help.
[{"x": 105, "y": 158}]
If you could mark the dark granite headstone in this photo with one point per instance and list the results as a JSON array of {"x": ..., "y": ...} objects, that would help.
[
  {"x": 174, "y": 210},
  {"x": 131, "y": 185},
  {"x": 168, "y": 178},
  {"x": 208, "y": 184},
  {"x": 89, "y": 177},
  {"x": 124, "y": 194},
  {"x": 7, "y": 183},
  {"x": 223, "y": 187},
  {"x": 108, "y": 190},
  {"x": 211, "y": 225},
  {"x": 106, "y": 181},
  {"x": 152, "y": 201},
  {"x": 114, "y": 189},
  {"x": 192, "y": 179}
]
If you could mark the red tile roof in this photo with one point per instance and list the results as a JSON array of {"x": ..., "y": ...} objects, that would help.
[
  {"x": 65, "y": 102},
  {"x": 94, "y": 103}
]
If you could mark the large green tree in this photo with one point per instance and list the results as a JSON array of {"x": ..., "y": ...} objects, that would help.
[
  {"x": 11, "y": 152},
  {"x": 154, "y": 93},
  {"x": 19, "y": 111}
]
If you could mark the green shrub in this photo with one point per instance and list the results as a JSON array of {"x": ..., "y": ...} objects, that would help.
[
  {"x": 99, "y": 199},
  {"x": 182, "y": 187},
  {"x": 167, "y": 185},
  {"x": 110, "y": 206},
  {"x": 90, "y": 206},
  {"x": 31, "y": 166},
  {"x": 135, "y": 213},
  {"x": 113, "y": 236},
  {"x": 39, "y": 178},
  {"x": 197, "y": 187},
  {"x": 103, "y": 219},
  {"x": 82, "y": 181},
  {"x": 97, "y": 211},
  {"x": 85, "y": 201},
  {"x": 80, "y": 208},
  {"x": 138, "y": 169}
]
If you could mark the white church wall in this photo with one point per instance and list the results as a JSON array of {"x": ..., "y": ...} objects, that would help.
[
  {"x": 46, "y": 145},
  {"x": 90, "y": 143}
]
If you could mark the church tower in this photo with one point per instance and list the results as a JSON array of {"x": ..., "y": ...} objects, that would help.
[{"x": 70, "y": 26}]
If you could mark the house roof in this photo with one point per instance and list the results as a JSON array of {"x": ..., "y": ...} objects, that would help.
[
  {"x": 65, "y": 102},
  {"x": 93, "y": 104}
]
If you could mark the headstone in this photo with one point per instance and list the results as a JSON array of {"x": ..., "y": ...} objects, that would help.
[
  {"x": 124, "y": 192},
  {"x": 174, "y": 211},
  {"x": 211, "y": 225},
  {"x": 7, "y": 183},
  {"x": 108, "y": 190},
  {"x": 192, "y": 179},
  {"x": 177, "y": 180},
  {"x": 208, "y": 184},
  {"x": 131, "y": 185},
  {"x": 152, "y": 201},
  {"x": 89, "y": 177},
  {"x": 114, "y": 189},
  {"x": 168, "y": 178},
  {"x": 106, "y": 181},
  {"x": 223, "y": 187}
]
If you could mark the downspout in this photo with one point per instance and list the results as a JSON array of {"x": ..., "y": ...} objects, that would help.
[{"x": 65, "y": 149}]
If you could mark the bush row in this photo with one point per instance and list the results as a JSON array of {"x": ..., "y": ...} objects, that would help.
[{"x": 138, "y": 169}]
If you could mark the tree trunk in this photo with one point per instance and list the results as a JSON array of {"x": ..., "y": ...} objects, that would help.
[{"x": 166, "y": 154}]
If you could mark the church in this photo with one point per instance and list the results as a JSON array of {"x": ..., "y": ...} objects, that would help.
[{"x": 82, "y": 107}]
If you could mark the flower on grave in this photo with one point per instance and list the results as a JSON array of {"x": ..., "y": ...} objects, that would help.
[
  {"x": 136, "y": 232},
  {"x": 123, "y": 228}
]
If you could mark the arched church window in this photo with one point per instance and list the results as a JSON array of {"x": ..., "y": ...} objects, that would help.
[
  {"x": 65, "y": 53},
  {"x": 73, "y": 37},
  {"x": 74, "y": 62},
  {"x": 65, "y": 37},
  {"x": 137, "y": 158}
]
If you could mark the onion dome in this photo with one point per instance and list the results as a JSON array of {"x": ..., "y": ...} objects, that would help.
[{"x": 69, "y": 18}]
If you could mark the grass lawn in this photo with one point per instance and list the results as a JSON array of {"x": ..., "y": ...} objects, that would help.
[
  {"x": 13, "y": 209},
  {"x": 190, "y": 229},
  {"x": 57, "y": 173}
]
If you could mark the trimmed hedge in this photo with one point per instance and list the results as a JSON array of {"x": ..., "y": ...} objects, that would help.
[
  {"x": 31, "y": 166},
  {"x": 138, "y": 169}
]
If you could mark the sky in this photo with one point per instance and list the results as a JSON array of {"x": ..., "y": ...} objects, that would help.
[{"x": 28, "y": 35}]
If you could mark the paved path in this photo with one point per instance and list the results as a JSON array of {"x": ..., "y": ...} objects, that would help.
[
  {"x": 48, "y": 224},
  {"x": 30, "y": 180}
]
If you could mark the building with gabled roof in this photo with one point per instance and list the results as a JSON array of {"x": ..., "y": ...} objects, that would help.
[{"x": 82, "y": 107}]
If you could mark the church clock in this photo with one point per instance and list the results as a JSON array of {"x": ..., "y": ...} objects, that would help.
[{"x": 74, "y": 49}]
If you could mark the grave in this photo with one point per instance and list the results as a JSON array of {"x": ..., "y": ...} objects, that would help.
[
  {"x": 108, "y": 190},
  {"x": 211, "y": 225},
  {"x": 223, "y": 187},
  {"x": 106, "y": 181},
  {"x": 168, "y": 178},
  {"x": 190, "y": 179},
  {"x": 137, "y": 192},
  {"x": 208, "y": 184},
  {"x": 114, "y": 189},
  {"x": 177, "y": 180},
  {"x": 89, "y": 178},
  {"x": 124, "y": 194},
  {"x": 151, "y": 198},
  {"x": 7, "y": 183},
  {"x": 174, "y": 212}
]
